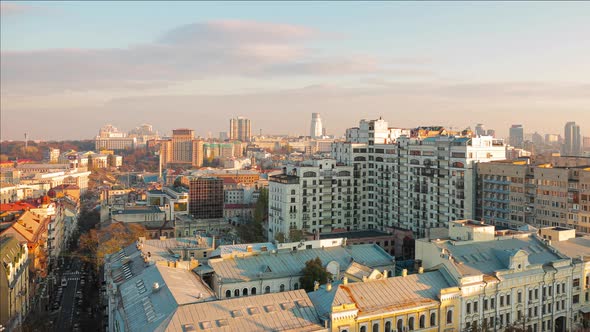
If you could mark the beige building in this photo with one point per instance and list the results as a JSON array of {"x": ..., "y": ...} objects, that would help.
[
  {"x": 181, "y": 149},
  {"x": 514, "y": 194},
  {"x": 14, "y": 282},
  {"x": 505, "y": 278}
]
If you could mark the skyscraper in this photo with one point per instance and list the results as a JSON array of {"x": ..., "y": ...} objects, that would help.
[
  {"x": 316, "y": 126},
  {"x": 480, "y": 130},
  {"x": 240, "y": 129},
  {"x": 572, "y": 144},
  {"x": 206, "y": 198},
  {"x": 516, "y": 135}
]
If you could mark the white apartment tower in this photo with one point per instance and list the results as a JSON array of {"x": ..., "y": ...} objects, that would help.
[
  {"x": 316, "y": 197},
  {"x": 316, "y": 126}
]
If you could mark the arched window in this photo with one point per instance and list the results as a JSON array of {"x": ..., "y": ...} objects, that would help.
[
  {"x": 387, "y": 326},
  {"x": 282, "y": 289},
  {"x": 253, "y": 291},
  {"x": 414, "y": 161},
  {"x": 449, "y": 316},
  {"x": 296, "y": 286},
  {"x": 400, "y": 325},
  {"x": 432, "y": 319},
  {"x": 363, "y": 329},
  {"x": 245, "y": 292},
  {"x": 458, "y": 164},
  {"x": 228, "y": 293},
  {"x": 266, "y": 289},
  {"x": 376, "y": 327},
  {"x": 309, "y": 174},
  {"x": 411, "y": 323},
  {"x": 236, "y": 292},
  {"x": 422, "y": 321}
]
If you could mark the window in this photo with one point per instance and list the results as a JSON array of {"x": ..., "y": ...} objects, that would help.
[
  {"x": 376, "y": 327},
  {"x": 422, "y": 321},
  {"x": 508, "y": 299},
  {"x": 475, "y": 306},
  {"x": 411, "y": 323},
  {"x": 236, "y": 292},
  {"x": 400, "y": 325},
  {"x": 519, "y": 297},
  {"x": 388, "y": 326},
  {"x": 253, "y": 291},
  {"x": 282, "y": 288},
  {"x": 576, "y": 299},
  {"x": 296, "y": 286},
  {"x": 228, "y": 293},
  {"x": 432, "y": 319},
  {"x": 363, "y": 329},
  {"x": 485, "y": 304},
  {"x": 245, "y": 292},
  {"x": 502, "y": 301},
  {"x": 577, "y": 282},
  {"x": 449, "y": 316},
  {"x": 468, "y": 308},
  {"x": 266, "y": 289}
]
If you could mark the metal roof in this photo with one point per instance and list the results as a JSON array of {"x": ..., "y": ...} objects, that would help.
[
  {"x": 384, "y": 295},
  {"x": 286, "y": 311},
  {"x": 290, "y": 263}
]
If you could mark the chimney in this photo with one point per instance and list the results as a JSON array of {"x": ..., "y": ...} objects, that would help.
[
  {"x": 329, "y": 286},
  {"x": 345, "y": 281},
  {"x": 385, "y": 274},
  {"x": 404, "y": 272},
  {"x": 365, "y": 278},
  {"x": 420, "y": 270},
  {"x": 316, "y": 285}
]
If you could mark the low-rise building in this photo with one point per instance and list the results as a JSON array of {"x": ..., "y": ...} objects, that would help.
[
  {"x": 271, "y": 271},
  {"x": 505, "y": 278}
]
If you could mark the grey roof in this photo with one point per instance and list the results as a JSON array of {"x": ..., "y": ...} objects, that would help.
[
  {"x": 354, "y": 234},
  {"x": 286, "y": 311},
  {"x": 385, "y": 295},
  {"x": 145, "y": 309},
  {"x": 486, "y": 257},
  {"x": 573, "y": 248},
  {"x": 290, "y": 263},
  {"x": 126, "y": 263}
]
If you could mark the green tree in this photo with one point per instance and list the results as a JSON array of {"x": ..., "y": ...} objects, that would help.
[
  {"x": 280, "y": 237},
  {"x": 312, "y": 272},
  {"x": 295, "y": 235},
  {"x": 253, "y": 230}
]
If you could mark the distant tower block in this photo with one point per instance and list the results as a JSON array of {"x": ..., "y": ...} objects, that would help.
[{"x": 316, "y": 126}]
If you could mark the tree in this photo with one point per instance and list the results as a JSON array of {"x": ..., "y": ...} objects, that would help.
[
  {"x": 96, "y": 244},
  {"x": 296, "y": 235},
  {"x": 253, "y": 230},
  {"x": 312, "y": 272},
  {"x": 280, "y": 237}
]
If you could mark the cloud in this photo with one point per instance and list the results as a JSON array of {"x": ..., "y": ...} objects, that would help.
[{"x": 197, "y": 51}]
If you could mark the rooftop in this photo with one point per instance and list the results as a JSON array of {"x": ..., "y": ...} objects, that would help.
[
  {"x": 286, "y": 311},
  {"x": 575, "y": 247},
  {"x": 353, "y": 235}
]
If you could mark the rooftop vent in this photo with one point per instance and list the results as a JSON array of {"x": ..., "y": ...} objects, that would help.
[{"x": 156, "y": 287}]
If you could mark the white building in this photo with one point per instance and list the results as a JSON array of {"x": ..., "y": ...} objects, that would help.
[
  {"x": 315, "y": 197},
  {"x": 416, "y": 183},
  {"x": 316, "y": 130}
]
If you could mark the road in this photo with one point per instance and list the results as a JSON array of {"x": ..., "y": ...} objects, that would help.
[{"x": 69, "y": 301}]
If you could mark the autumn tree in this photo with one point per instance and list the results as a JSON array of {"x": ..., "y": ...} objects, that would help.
[
  {"x": 312, "y": 272},
  {"x": 253, "y": 230},
  {"x": 96, "y": 244}
]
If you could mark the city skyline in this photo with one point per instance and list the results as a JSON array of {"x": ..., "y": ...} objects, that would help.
[{"x": 191, "y": 62}]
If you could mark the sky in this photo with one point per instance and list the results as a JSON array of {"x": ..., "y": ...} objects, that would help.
[{"x": 68, "y": 68}]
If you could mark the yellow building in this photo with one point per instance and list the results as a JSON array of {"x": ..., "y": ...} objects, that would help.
[
  {"x": 14, "y": 282},
  {"x": 424, "y": 301}
]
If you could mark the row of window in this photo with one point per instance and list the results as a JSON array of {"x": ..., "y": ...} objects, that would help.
[
  {"x": 411, "y": 323},
  {"x": 236, "y": 292}
]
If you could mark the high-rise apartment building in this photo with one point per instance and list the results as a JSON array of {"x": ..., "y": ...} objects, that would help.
[
  {"x": 556, "y": 195},
  {"x": 572, "y": 140},
  {"x": 316, "y": 197},
  {"x": 407, "y": 182},
  {"x": 181, "y": 149},
  {"x": 517, "y": 135},
  {"x": 206, "y": 198},
  {"x": 316, "y": 130},
  {"x": 240, "y": 129}
]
